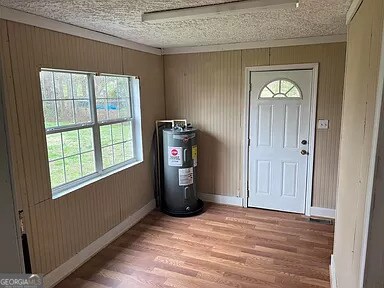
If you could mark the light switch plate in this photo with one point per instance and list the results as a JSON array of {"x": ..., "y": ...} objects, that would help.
[{"x": 323, "y": 124}]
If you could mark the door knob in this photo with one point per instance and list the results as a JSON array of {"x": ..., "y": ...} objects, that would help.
[
  {"x": 304, "y": 142},
  {"x": 304, "y": 152}
]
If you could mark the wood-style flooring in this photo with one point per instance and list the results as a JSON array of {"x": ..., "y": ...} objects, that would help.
[{"x": 225, "y": 246}]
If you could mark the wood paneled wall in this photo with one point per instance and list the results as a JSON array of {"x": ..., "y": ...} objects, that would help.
[
  {"x": 200, "y": 88},
  {"x": 58, "y": 229},
  {"x": 362, "y": 70},
  {"x": 208, "y": 89}
]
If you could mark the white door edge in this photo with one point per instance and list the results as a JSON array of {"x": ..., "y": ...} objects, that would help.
[{"x": 312, "y": 125}]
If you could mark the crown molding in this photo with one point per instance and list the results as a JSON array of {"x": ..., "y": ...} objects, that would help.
[
  {"x": 50, "y": 24},
  {"x": 254, "y": 45},
  {"x": 355, "y": 5}
]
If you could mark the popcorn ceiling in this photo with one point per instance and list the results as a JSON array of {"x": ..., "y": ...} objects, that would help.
[{"x": 122, "y": 18}]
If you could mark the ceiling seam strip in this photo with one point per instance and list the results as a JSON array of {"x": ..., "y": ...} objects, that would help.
[{"x": 255, "y": 45}]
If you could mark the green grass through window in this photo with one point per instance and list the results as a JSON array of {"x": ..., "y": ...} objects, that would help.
[{"x": 71, "y": 154}]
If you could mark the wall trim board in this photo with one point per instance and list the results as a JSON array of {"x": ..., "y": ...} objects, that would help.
[
  {"x": 312, "y": 125},
  {"x": 323, "y": 212},
  {"x": 332, "y": 272},
  {"x": 221, "y": 199},
  {"x": 254, "y": 45},
  {"x": 55, "y": 276},
  {"x": 373, "y": 163},
  {"x": 355, "y": 5},
  {"x": 50, "y": 24}
]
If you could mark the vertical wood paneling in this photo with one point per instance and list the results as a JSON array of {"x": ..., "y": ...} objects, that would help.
[
  {"x": 150, "y": 70},
  {"x": 13, "y": 129},
  {"x": 204, "y": 89},
  {"x": 361, "y": 80},
  {"x": 58, "y": 229},
  {"x": 208, "y": 90}
]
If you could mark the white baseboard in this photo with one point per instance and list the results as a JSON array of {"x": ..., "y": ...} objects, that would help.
[
  {"x": 55, "y": 276},
  {"x": 323, "y": 212},
  {"x": 332, "y": 273},
  {"x": 220, "y": 199}
]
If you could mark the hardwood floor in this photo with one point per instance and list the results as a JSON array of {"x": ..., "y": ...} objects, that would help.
[{"x": 224, "y": 247}]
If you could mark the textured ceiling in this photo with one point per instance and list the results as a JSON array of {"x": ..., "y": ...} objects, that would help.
[{"x": 122, "y": 18}]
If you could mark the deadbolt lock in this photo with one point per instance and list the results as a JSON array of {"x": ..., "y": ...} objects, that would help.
[{"x": 304, "y": 142}]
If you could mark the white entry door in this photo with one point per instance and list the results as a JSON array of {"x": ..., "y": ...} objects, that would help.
[{"x": 280, "y": 104}]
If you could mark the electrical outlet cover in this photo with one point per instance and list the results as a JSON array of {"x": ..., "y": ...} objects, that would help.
[{"x": 323, "y": 124}]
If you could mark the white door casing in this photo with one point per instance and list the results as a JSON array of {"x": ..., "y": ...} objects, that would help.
[{"x": 277, "y": 126}]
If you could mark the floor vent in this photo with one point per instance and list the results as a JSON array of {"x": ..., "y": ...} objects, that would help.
[{"x": 322, "y": 220}]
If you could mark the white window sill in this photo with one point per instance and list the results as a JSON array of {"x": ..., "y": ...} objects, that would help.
[{"x": 97, "y": 177}]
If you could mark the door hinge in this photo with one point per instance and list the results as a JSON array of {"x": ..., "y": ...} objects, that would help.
[
  {"x": 249, "y": 142},
  {"x": 250, "y": 86}
]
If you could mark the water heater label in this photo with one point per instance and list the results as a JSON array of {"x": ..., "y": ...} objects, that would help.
[
  {"x": 194, "y": 155},
  {"x": 175, "y": 156},
  {"x": 185, "y": 176}
]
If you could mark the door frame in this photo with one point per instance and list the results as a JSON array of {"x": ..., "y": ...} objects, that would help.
[{"x": 312, "y": 125}]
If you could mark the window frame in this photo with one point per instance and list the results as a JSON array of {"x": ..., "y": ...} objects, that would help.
[{"x": 95, "y": 125}]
